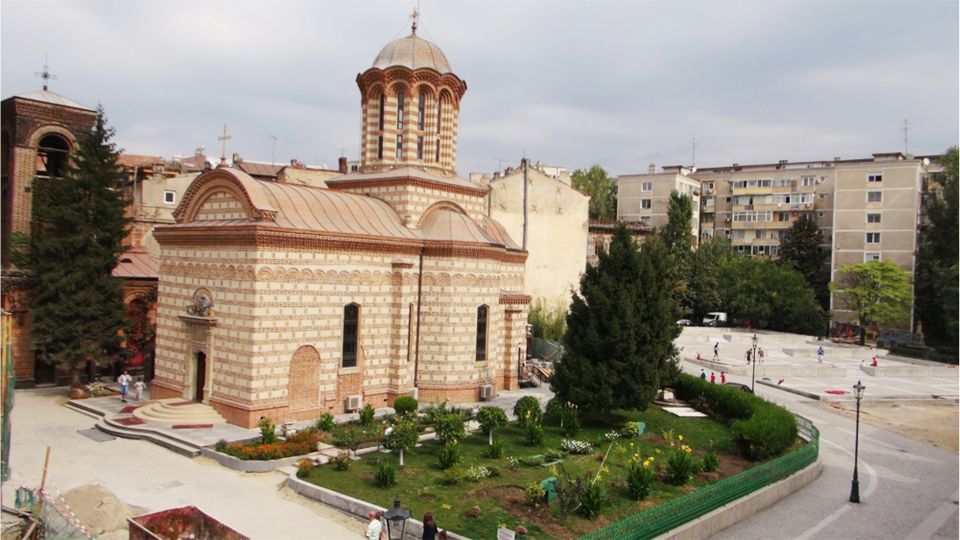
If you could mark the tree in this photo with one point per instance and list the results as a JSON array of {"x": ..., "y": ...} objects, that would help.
[
  {"x": 602, "y": 191},
  {"x": 549, "y": 320},
  {"x": 876, "y": 291},
  {"x": 491, "y": 418},
  {"x": 704, "y": 292},
  {"x": 937, "y": 270},
  {"x": 76, "y": 230},
  {"x": 678, "y": 238},
  {"x": 620, "y": 330},
  {"x": 403, "y": 437},
  {"x": 802, "y": 248}
]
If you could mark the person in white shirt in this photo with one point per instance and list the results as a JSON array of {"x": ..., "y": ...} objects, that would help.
[
  {"x": 124, "y": 381},
  {"x": 374, "y": 528},
  {"x": 138, "y": 388}
]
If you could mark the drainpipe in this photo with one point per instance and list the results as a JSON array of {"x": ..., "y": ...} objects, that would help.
[{"x": 416, "y": 354}]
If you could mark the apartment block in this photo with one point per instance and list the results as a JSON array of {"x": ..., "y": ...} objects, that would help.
[{"x": 645, "y": 198}]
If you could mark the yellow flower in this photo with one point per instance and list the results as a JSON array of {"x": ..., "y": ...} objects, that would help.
[
  {"x": 657, "y": 450},
  {"x": 605, "y": 469},
  {"x": 680, "y": 437},
  {"x": 445, "y": 506}
]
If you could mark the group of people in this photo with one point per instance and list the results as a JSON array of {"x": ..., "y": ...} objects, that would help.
[
  {"x": 713, "y": 376},
  {"x": 124, "y": 380},
  {"x": 377, "y": 531},
  {"x": 759, "y": 357}
]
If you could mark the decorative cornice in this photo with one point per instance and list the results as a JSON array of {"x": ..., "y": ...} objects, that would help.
[
  {"x": 407, "y": 181},
  {"x": 411, "y": 78},
  {"x": 514, "y": 298}
]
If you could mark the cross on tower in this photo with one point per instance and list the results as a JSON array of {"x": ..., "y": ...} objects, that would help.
[
  {"x": 223, "y": 145},
  {"x": 414, "y": 17},
  {"x": 45, "y": 74}
]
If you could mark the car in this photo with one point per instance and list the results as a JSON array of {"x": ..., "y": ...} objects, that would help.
[
  {"x": 684, "y": 322},
  {"x": 738, "y": 386}
]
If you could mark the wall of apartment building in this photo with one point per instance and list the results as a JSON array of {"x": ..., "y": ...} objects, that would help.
[{"x": 645, "y": 198}]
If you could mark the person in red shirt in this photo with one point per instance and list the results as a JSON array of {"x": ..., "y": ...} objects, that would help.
[{"x": 723, "y": 378}]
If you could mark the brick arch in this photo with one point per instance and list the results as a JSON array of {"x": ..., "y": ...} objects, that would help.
[
  {"x": 440, "y": 205},
  {"x": 53, "y": 129},
  {"x": 303, "y": 386}
]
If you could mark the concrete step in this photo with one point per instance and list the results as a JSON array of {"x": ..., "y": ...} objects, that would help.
[
  {"x": 134, "y": 432},
  {"x": 80, "y": 407},
  {"x": 172, "y": 412}
]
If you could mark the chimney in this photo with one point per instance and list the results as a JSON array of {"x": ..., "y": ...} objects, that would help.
[
  {"x": 342, "y": 164},
  {"x": 652, "y": 168}
]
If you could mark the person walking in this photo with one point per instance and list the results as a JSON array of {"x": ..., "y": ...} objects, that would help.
[
  {"x": 124, "y": 381},
  {"x": 820, "y": 355},
  {"x": 760, "y": 354},
  {"x": 749, "y": 356},
  {"x": 703, "y": 374},
  {"x": 430, "y": 529},
  {"x": 713, "y": 378},
  {"x": 138, "y": 388},
  {"x": 374, "y": 527},
  {"x": 716, "y": 351},
  {"x": 723, "y": 378}
]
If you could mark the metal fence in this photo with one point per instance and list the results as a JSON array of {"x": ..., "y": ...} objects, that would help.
[{"x": 675, "y": 512}]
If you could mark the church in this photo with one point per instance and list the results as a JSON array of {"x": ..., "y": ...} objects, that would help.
[{"x": 286, "y": 301}]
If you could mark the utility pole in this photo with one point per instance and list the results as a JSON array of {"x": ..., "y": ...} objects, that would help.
[{"x": 906, "y": 130}]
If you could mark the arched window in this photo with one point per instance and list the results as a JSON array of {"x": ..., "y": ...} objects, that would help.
[
  {"x": 421, "y": 111},
  {"x": 420, "y": 147},
  {"x": 351, "y": 330},
  {"x": 399, "y": 147},
  {"x": 382, "y": 104},
  {"x": 52, "y": 155},
  {"x": 400, "y": 109},
  {"x": 481, "y": 333},
  {"x": 380, "y": 129}
]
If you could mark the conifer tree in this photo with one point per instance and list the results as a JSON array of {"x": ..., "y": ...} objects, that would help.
[
  {"x": 801, "y": 247},
  {"x": 76, "y": 230},
  {"x": 620, "y": 330}
]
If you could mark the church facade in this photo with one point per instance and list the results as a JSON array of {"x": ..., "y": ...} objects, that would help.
[{"x": 286, "y": 301}]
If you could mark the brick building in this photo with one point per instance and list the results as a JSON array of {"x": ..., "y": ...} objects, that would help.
[{"x": 285, "y": 300}]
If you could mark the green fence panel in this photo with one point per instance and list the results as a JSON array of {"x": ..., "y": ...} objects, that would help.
[{"x": 675, "y": 512}]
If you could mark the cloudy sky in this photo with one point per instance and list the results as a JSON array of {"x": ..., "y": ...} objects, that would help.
[{"x": 622, "y": 84}]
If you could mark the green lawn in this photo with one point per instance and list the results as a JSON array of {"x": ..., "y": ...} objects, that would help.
[{"x": 421, "y": 488}]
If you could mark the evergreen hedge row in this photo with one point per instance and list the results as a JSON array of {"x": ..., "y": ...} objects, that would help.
[{"x": 761, "y": 429}]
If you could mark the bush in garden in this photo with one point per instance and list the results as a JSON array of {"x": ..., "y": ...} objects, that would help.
[
  {"x": 268, "y": 432},
  {"x": 432, "y": 413},
  {"x": 710, "y": 462},
  {"x": 348, "y": 439},
  {"x": 450, "y": 428},
  {"x": 405, "y": 405},
  {"x": 491, "y": 418},
  {"x": 449, "y": 455},
  {"x": 679, "y": 465},
  {"x": 534, "y": 434},
  {"x": 593, "y": 499},
  {"x": 640, "y": 476},
  {"x": 325, "y": 422},
  {"x": 570, "y": 419},
  {"x": 551, "y": 414},
  {"x": 303, "y": 468},
  {"x": 769, "y": 432},
  {"x": 386, "y": 474},
  {"x": 568, "y": 488},
  {"x": 478, "y": 473},
  {"x": 495, "y": 450},
  {"x": 455, "y": 476},
  {"x": 534, "y": 494},
  {"x": 527, "y": 410},
  {"x": 366, "y": 415},
  {"x": 220, "y": 446},
  {"x": 342, "y": 461},
  {"x": 576, "y": 447},
  {"x": 403, "y": 437}
]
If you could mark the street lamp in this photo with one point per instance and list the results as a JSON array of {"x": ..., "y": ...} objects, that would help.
[
  {"x": 855, "y": 486},
  {"x": 396, "y": 520},
  {"x": 753, "y": 379}
]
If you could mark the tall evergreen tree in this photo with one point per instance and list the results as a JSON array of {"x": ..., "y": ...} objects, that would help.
[
  {"x": 937, "y": 261},
  {"x": 801, "y": 247},
  {"x": 704, "y": 294},
  {"x": 76, "y": 230},
  {"x": 677, "y": 237},
  {"x": 602, "y": 191},
  {"x": 620, "y": 330}
]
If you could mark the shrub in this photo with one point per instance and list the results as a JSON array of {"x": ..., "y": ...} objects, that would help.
[
  {"x": 593, "y": 499},
  {"x": 491, "y": 418},
  {"x": 450, "y": 428},
  {"x": 570, "y": 419},
  {"x": 640, "y": 477},
  {"x": 303, "y": 468},
  {"x": 710, "y": 462},
  {"x": 531, "y": 461},
  {"x": 495, "y": 450},
  {"x": 325, "y": 422},
  {"x": 386, "y": 474},
  {"x": 551, "y": 414},
  {"x": 348, "y": 439},
  {"x": 527, "y": 410},
  {"x": 576, "y": 447},
  {"x": 405, "y": 405},
  {"x": 432, "y": 413},
  {"x": 534, "y": 494},
  {"x": 478, "y": 473},
  {"x": 268, "y": 432},
  {"x": 534, "y": 434},
  {"x": 455, "y": 476},
  {"x": 512, "y": 463},
  {"x": 342, "y": 461},
  {"x": 769, "y": 432},
  {"x": 220, "y": 446},
  {"x": 449, "y": 455},
  {"x": 568, "y": 490},
  {"x": 366, "y": 415},
  {"x": 679, "y": 466}
]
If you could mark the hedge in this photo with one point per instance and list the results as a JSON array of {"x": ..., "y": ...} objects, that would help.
[{"x": 761, "y": 429}]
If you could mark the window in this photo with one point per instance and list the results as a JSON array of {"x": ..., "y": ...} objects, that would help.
[
  {"x": 169, "y": 197},
  {"x": 774, "y": 251},
  {"x": 873, "y": 218},
  {"x": 821, "y": 214},
  {"x": 481, "y": 333},
  {"x": 645, "y": 203},
  {"x": 437, "y": 160},
  {"x": 420, "y": 147},
  {"x": 871, "y": 256},
  {"x": 399, "y": 147},
  {"x": 421, "y": 111},
  {"x": 761, "y": 235},
  {"x": 875, "y": 177},
  {"x": 646, "y": 186},
  {"x": 351, "y": 325},
  {"x": 740, "y": 234},
  {"x": 380, "y": 147},
  {"x": 708, "y": 201},
  {"x": 380, "y": 121},
  {"x": 873, "y": 238},
  {"x": 52, "y": 153},
  {"x": 874, "y": 196},
  {"x": 808, "y": 181},
  {"x": 400, "y": 110}
]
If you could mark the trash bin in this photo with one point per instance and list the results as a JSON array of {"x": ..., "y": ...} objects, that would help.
[
  {"x": 640, "y": 427},
  {"x": 549, "y": 486}
]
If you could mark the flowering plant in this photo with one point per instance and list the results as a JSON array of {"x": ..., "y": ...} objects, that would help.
[
  {"x": 611, "y": 435},
  {"x": 576, "y": 447},
  {"x": 478, "y": 472}
]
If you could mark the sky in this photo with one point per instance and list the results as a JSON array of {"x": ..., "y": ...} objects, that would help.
[{"x": 616, "y": 83}]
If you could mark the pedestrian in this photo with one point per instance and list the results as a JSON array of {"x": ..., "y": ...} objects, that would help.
[
  {"x": 124, "y": 380},
  {"x": 723, "y": 378},
  {"x": 874, "y": 363},
  {"x": 716, "y": 351},
  {"x": 698, "y": 355},
  {"x": 138, "y": 388},
  {"x": 430, "y": 529},
  {"x": 703, "y": 374},
  {"x": 760, "y": 354},
  {"x": 374, "y": 528},
  {"x": 749, "y": 356},
  {"x": 713, "y": 378},
  {"x": 820, "y": 355}
]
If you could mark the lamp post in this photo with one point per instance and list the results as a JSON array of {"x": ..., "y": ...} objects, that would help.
[
  {"x": 855, "y": 486},
  {"x": 753, "y": 378},
  {"x": 396, "y": 520}
]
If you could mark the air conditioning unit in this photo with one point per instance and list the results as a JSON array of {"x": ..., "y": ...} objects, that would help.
[
  {"x": 353, "y": 403},
  {"x": 486, "y": 392}
]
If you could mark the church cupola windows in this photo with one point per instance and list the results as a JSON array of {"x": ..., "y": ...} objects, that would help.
[
  {"x": 399, "y": 110},
  {"x": 421, "y": 112}
]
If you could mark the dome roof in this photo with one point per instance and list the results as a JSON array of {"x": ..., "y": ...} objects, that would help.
[{"x": 414, "y": 53}]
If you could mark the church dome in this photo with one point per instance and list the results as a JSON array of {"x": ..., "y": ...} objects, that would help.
[{"x": 414, "y": 53}]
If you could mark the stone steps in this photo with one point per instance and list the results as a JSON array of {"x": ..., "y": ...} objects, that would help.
[
  {"x": 179, "y": 446},
  {"x": 177, "y": 411}
]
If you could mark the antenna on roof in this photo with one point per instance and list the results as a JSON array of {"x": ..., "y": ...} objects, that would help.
[
  {"x": 45, "y": 74},
  {"x": 906, "y": 129},
  {"x": 694, "y": 152}
]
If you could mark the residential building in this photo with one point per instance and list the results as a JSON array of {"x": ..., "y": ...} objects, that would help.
[{"x": 646, "y": 197}]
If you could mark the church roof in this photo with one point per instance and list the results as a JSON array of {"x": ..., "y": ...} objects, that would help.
[
  {"x": 137, "y": 264},
  {"x": 53, "y": 98},
  {"x": 405, "y": 172},
  {"x": 412, "y": 52},
  {"x": 448, "y": 225}
]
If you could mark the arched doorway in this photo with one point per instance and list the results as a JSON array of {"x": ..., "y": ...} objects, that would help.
[
  {"x": 303, "y": 386},
  {"x": 201, "y": 376}
]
